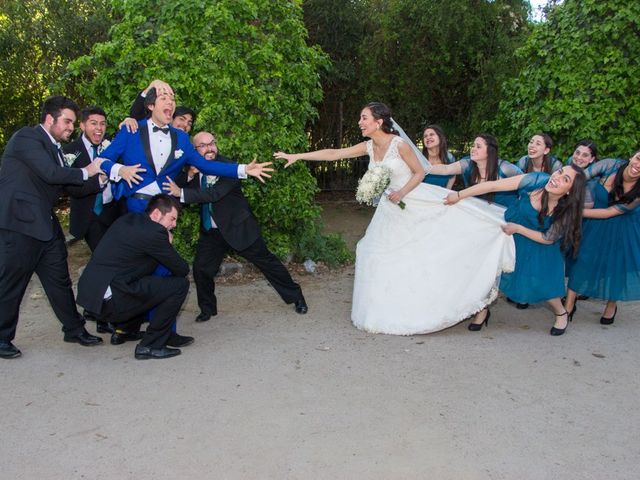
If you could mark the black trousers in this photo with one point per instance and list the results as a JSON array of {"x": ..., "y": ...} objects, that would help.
[
  {"x": 210, "y": 252},
  {"x": 20, "y": 257},
  {"x": 94, "y": 234},
  {"x": 99, "y": 224},
  {"x": 126, "y": 309}
]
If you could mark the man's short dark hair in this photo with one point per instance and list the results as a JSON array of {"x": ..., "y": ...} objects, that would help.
[
  {"x": 182, "y": 110},
  {"x": 54, "y": 105},
  {"x": 85, "y": 113},
  {"x": 163, "y": 202}
]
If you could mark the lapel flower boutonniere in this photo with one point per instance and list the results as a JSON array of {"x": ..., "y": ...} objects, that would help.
[
  {"x": 177, "y": 154},
  {"x": 69, "y": 158},
  {"x": 211, "y": 180},
  {"x": 103, "y": 146}
]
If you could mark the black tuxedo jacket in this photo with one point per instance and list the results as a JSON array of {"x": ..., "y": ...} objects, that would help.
[
  {"x": 83, "y": 200},
  {"x": 230, "y": 208},
  {"x": 31, "y": 181},
  {"x": 131, "y": 249}
]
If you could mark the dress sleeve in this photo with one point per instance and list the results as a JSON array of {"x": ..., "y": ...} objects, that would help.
[
  {"x": 555, "y": 164},
  {"x": 533, "y": 181},
  {"x": 553, "y": 234},
  {"x": 590, "y": 194},
  {"x": 465, "y": 170},
  {"x": 522, "y": 163},
  {"x": 369, "y": 145},
  {"x": 603, "y": 168},
  {"x": 628, "y": 207},
  {"x": 450, "y": 158},
  {"x": 508, "y": 169}
]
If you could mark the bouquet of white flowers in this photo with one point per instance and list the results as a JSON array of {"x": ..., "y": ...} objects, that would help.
[{"x": 373, "y": 184}]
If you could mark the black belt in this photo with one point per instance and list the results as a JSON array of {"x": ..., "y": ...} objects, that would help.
[{"x": 142, "y": 196}]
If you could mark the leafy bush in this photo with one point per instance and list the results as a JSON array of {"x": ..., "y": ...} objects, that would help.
[
  {"x": 580, "y": 80},
  {"x": 245, "y": 67}
]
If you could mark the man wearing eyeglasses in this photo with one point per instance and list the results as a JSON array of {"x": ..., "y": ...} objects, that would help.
[{"x": 227, "y": 223}]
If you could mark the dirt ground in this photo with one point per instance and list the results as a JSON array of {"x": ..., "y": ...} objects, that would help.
[{"x": 264, "y": 393}]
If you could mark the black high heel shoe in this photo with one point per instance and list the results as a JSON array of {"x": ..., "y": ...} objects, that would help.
[
  {"x": 573, "y": 310},
  {"x": 556, "y": 332},
  {"x": 609, "y": 321},
  {"x": 476, "y": 327}
]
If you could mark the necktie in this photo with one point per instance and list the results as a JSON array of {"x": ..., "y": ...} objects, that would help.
[
  {"x": 97, "y": 206},
  {"x": 61, "y": 155},
  {"x": 164, "y": 130},
  {"x": 205, "y": 208}
]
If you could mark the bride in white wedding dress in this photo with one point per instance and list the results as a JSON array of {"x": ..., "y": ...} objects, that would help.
[{"x": 428, "y": 266}]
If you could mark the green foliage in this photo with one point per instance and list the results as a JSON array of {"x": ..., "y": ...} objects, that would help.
[
  {"x": 185, "y": 235},
  {"x": 430, "y": 61},
  {"x": 244, "y": 66},
  {"x": 37, "y": 40},
  {"x": 579, "y": 80},
  {"x": 338, "y": 26}
]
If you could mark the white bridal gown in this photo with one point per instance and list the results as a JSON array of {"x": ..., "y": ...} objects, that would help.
[{"x": 429, "y": 266}]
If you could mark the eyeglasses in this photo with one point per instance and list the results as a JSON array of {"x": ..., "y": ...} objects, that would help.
[{"x": 205, "y": 145}]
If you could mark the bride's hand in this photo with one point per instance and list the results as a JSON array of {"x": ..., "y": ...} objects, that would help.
[
  {"x": 510, "y": 228},
  {"x": 289, "y": 158},
  {"x": 395, "y": 197},
  {"x": 452, "y": 198}
]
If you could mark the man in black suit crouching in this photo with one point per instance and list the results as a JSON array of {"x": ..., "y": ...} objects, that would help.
[
  {"x": 32, "y": 177},
  {"x": 118, "y": 283},
  {"x": 226, "y": 222}
]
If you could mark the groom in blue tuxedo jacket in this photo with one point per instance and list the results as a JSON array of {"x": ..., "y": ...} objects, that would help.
[{"x": 157, "y": 151}]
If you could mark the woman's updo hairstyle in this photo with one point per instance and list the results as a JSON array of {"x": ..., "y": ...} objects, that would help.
[{"x": 381, "y": 112}]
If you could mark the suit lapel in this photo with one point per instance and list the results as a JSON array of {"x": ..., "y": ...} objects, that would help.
[
  {"x": 144, "y": 137},
  {"x": 78, "y": 147},
  {"x": 55, "y": 153}
]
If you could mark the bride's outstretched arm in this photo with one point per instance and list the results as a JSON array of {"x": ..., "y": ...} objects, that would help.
[
  {"x": 328, "y": 154},
  {"x": 500, "y": 185},
  {"x": 409, "y": 157}
]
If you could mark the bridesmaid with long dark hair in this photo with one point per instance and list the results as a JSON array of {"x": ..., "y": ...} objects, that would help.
[
  {"x": 546, "y": 219},
  {"x": 436, "y": 152},
  {"x": 539, "y": 158},
  {"x": 608, "y": 262},
  {"x": 483, "y": 165}
]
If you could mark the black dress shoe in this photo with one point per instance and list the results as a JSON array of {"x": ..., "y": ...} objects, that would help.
[
  {"x": 83, "y": 338},
  {"x": 176, "y": 340},
  {"x": 203, "y": 317},
  {"x": 301, "y": 306},
  {"x": 145, "y": 353},
  {"x": 119, "y": 337},
  {"x": 9, "y": 350},
  {"x": 105, "y": 327}
]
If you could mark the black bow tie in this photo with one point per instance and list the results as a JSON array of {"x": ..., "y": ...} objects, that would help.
[{"x": 164, "y": 130}]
